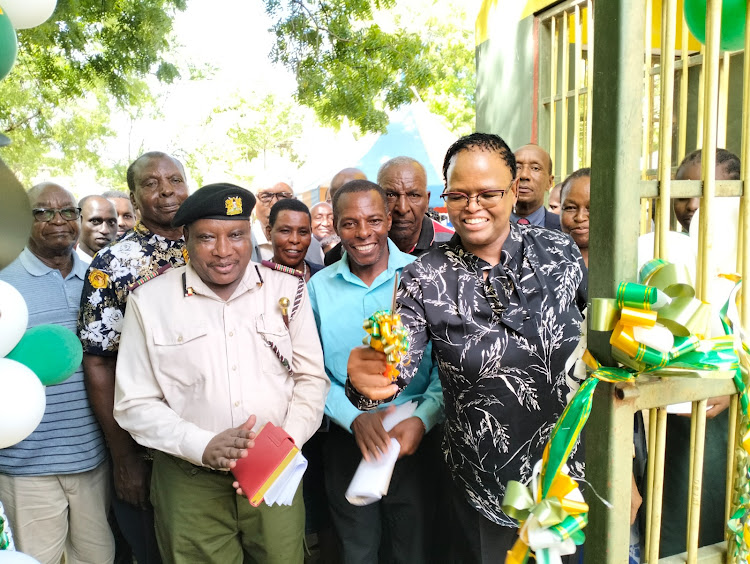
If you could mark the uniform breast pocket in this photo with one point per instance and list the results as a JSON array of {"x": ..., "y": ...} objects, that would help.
[
  {"x": 276, "y": 345},
  {"x": 181, "y": 352}
]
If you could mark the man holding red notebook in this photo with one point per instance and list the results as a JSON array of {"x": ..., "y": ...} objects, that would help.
[{"x": 210, "y": 352}]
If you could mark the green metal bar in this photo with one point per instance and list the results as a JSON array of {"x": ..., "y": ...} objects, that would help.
[
  {"x": 615, "y": 207},
  {"x": 615, "y": 159},
  {"x": 655, "y": 392},
  {"x": 609, "y": 447}
]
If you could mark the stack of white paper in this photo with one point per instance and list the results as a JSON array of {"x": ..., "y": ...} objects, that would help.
[
  {"x": 371, "y": 480},
  {"x": 283, "y": 489}
]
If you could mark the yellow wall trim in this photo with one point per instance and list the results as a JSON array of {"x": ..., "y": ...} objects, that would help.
[{"x": 488, "y": 14}]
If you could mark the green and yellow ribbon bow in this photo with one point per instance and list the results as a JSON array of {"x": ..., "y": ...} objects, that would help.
[
  {"x": 659, "y": 328},
  {"x": 387, "y": 333}
]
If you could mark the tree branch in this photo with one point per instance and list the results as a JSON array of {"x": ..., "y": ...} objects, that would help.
[
  {"x": 315, "y": 22},
  {"x": 23, "y": 122}
]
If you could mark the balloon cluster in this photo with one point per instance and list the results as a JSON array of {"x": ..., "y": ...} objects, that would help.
[
  {"x": 732, "y": 36},
  {"x": 387, "y": 334},
  {"x": 19, "y": 14},
  {"x": 29, "y": 360}
]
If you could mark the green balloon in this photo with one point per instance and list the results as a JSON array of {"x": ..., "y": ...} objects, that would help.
[
  {"x": 8, "y": 44},
  {"x": 51, "y": 351},
  {"x": 732, "y": 22}
]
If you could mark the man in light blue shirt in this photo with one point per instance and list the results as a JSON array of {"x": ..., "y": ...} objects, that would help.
[{"x": 343, "y": 296}]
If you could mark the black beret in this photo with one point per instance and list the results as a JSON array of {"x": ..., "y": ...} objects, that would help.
[{"x": 215, "y": 201}]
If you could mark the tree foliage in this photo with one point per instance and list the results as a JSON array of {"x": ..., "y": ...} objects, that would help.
[
  {"x": 72, "y": 70},
  {"x": 356, "y": 59},
  {"x": 246, "y": 135},
  {"x": 265, "y": 125}
]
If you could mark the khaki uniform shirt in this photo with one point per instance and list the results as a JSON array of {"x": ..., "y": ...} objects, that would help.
[{"x": 191, "y": 366}]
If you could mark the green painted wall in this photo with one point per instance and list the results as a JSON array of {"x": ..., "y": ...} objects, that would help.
[{"x": 505, "y": 69}]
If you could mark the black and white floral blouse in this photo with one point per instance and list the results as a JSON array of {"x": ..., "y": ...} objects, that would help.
[{"x": 502, "y": 345}]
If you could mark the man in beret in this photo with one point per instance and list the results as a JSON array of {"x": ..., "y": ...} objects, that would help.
[{"x": 207, "y": 356}]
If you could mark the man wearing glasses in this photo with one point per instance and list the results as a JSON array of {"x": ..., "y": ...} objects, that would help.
[
  {"x": 55, "y": 483},
  {"x": 501, "y": 304},
  {"x": 266, "y": 198}
]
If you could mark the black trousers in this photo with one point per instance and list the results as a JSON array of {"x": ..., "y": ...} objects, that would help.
[
  {"x": 392, "y": 530},
  {"x": 137, "y": 526},
  {"x": 477, "y": 540}
]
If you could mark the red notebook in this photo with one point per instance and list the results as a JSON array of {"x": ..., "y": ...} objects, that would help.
[{"x": 273, "y": 451}]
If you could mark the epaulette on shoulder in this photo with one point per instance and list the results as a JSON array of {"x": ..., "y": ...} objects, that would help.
[
  {"x": 150, "y": 276},
  {"x": 281, "y": 268}
]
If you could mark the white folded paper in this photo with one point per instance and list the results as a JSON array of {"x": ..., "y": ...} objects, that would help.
[
  {"x": 372, "y": 478},
  {"x": 283, "y": 489}
]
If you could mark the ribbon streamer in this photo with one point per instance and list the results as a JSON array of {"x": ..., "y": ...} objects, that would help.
[
  {"x": 6, "y": 536},
  {"x": 386, "y": 333},
  {"x": 658, "y": 328}
]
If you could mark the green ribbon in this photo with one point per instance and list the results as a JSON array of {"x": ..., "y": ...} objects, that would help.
[
  {"x": 6, "y": 536},
  {"x": 673, "y": 298},
  {"x": 639, "y": 296},
  {"x": 672, "y": 279}
]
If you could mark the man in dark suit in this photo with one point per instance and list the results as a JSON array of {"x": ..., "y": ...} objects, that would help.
[{"x": 535, "y": 178}]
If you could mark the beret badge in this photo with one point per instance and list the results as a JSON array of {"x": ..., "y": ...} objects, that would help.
[{"x": 233, "y": 205}]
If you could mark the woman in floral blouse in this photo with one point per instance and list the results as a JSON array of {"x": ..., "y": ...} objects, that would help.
[{"x": 501, "y": 304}]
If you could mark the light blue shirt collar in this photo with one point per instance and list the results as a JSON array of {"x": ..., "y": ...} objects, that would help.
[
  {"x": 536, "y": 217},
  {"x": 36, "y": 267},
  {"x": 396, "y": 261}
]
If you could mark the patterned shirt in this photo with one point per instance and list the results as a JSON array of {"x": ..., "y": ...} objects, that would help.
[
  {"x": 502, "y": 344},
  {"x": 113, "y": 274}
]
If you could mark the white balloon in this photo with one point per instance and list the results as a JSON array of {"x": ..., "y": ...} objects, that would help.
[
  {"x": 14, "y": 317},
  {"x": 13, "y": 557},
  {"x": 24, "y": 14},
  {"x": 22, "y": 402}
]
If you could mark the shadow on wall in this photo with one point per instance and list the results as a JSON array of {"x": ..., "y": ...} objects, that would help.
[{"x": 505, "y": 84}]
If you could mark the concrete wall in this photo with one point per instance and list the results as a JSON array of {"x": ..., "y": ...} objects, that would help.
[{"x": 505, "y": 73}]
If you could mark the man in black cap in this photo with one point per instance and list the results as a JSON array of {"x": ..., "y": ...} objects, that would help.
[{"x": 207, "y": 356}]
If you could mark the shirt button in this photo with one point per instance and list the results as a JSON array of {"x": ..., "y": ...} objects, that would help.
[
  {"x": 231, "y": 333},
  {"x": 179, "y": 339},
  {"x": 193, "y": 471},
  {"x": 234, "y": 367},
  {"x": 236, "y": 404}
]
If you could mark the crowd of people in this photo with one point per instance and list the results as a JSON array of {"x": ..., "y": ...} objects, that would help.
[{"x": 204, "y": 316}]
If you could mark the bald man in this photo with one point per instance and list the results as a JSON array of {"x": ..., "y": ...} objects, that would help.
[
  {"x": 342, "y": 177},
  {"x": 126, "y": 214},
  {"x": 404, "y": 181},
  {"x": 322, "y": 220},
  {"x": 55, "y": 484},
  {"x": 98, "y": 226},
  {"x": 535, "y": 179}
]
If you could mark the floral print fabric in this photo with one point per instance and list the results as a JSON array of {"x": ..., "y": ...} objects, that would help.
[
  {"x": 140, "y": 253},
  {"x": 502, "y": 336}
]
